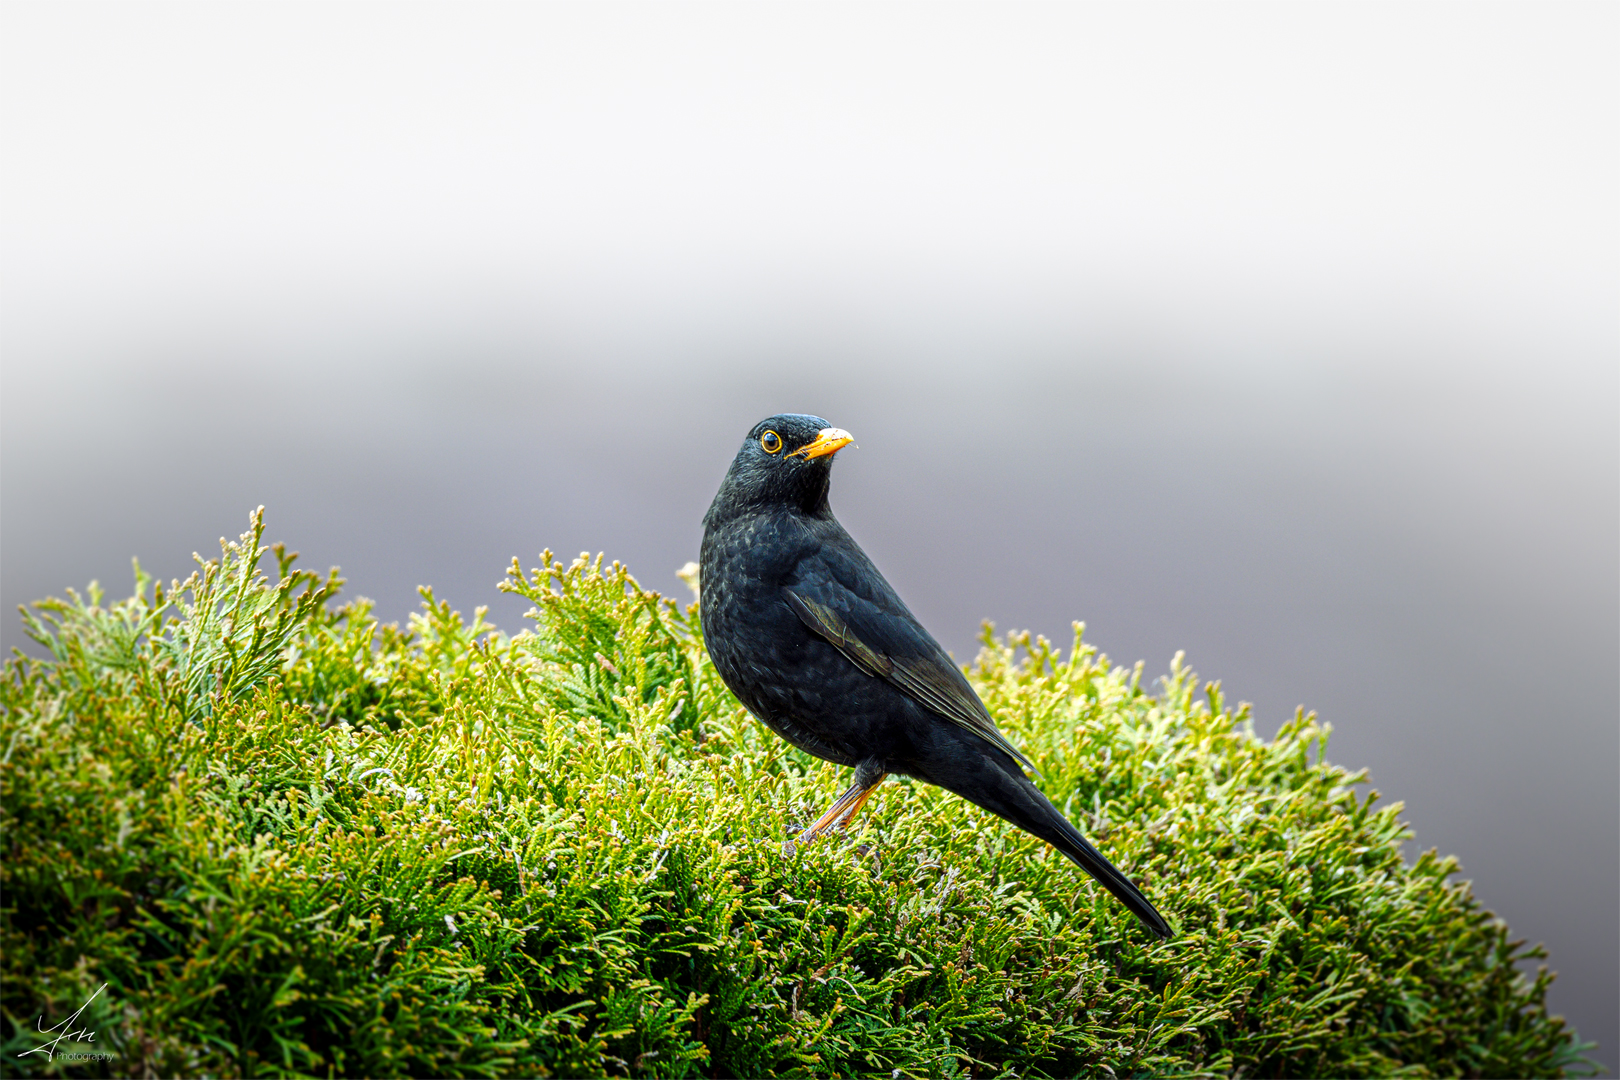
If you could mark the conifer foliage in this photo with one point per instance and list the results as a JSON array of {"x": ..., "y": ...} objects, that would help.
[{"x": 282, "y": 839}]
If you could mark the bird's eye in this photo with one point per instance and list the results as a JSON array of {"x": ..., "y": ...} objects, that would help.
[{"x": 770, "y": 442}]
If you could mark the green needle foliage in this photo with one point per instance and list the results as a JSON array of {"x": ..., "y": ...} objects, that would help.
[{"x": 287, "y": 840}]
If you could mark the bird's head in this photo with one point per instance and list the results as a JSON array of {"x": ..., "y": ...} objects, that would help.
[{"x": 784, "y": 461}]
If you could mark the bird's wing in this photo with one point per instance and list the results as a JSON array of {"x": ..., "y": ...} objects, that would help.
[
  {"x": 825, "y": 621},
  {"x": 909, "y": 658}
]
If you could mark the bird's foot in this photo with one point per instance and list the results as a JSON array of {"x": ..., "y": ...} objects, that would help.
[
  {"x": 839, "y": 814},
  {"x": 791, "y": 845}
]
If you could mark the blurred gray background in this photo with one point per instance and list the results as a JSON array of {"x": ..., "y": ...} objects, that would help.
[{"x": 1284, "y": 335}]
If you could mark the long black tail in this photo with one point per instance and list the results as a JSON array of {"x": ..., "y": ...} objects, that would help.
[
  {"x": 1050, "y": 825},
  {"x": 1008, "y": 793}
]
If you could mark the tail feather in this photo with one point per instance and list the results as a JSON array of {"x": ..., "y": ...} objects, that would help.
[
  {"x": 1069, "y": 841},
  {"x": 1006, "y": 792}
]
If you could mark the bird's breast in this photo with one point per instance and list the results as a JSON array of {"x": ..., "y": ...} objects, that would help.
[
  {"x": 768, "y": 658},
  {"x": 791, "y": 678}
]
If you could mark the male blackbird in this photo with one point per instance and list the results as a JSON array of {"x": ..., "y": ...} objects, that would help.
[{"x": 816, "y": 644}]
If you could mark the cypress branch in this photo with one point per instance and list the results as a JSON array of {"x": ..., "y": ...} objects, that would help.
[{"x": 292, "y": 841}]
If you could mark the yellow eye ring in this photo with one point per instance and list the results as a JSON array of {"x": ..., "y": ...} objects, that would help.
[{"x": 770, "y": 442}]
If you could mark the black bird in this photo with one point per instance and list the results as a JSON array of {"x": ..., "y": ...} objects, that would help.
[{"x": 814, "y": 641}]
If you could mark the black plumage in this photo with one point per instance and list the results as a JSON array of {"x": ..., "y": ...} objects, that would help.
[{"x": 813, "y": 640}]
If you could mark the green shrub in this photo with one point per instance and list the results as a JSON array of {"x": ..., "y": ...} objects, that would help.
[{"x": 287, "y": 840}]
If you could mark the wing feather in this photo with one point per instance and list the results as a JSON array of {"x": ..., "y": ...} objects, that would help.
[
  {"x": 930, "y": 680},
  {"x": 824, "y": 621}
]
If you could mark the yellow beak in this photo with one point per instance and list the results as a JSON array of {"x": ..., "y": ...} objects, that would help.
[{"x": 827, "y": 441}]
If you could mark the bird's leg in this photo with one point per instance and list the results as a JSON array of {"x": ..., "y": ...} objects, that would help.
[
  {"x": 868, "y": 775},
  {"x": 839, "y": 813},
  {"x": 860, "y": 801}
]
